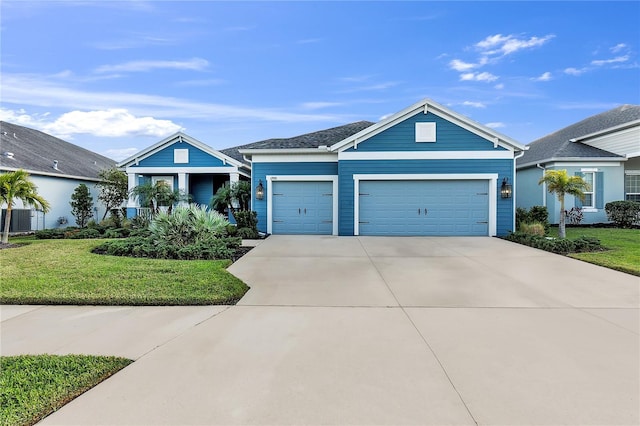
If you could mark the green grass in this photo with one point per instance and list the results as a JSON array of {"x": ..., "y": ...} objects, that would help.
[
  {"x": 34, "y": 386},
  {"x": 66, "y": 272},
  {"x": 623, "y": 246}
]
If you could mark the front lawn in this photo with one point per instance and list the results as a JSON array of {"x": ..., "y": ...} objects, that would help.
[
  {"x": 623, "y": 246},
  {"x": 34, "y": 386},
  {"x": 66, "y": 272}
]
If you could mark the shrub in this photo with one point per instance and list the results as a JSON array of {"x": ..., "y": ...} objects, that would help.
[
  {"x": 556, "y": 245},
  {"x": 623, "y": 213},
  {"x": 574, "y": 216},
  {"x": 534, "y": 228},
  {"x": 247, "y": 219},
  {"x": 50, "y": 234},
  {"x": 247, "y": 233},
  {"x": 187, "y": 225},
  {"x": 81, "y": 234},
  {"x": 536, "y": 214},
  {"x": 116, "y": 233},
  {"x": 209, "y": 249}
]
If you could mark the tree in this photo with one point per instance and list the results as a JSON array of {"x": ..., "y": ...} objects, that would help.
[
  {"x": 560, "y": 183},
  {"x": 114, "y": 189},
  {"x": 157, "y": 195},
  {"x": 82, "y": 205},
  {"x": 227, "y": 194},
  {"x": 17, "y": 185}
]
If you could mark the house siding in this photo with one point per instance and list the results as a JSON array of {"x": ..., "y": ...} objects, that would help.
[
  {"x": 528, "y": 193},
  {"x": 197, "y": 158},
  {"x": 612, "y": 189},
  {"x": 402, "y": 137},
  {"x": 504, "y": 168},
  {"x": 261, "y": 170}
]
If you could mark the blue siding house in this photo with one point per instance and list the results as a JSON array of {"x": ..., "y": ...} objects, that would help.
[
  {"x": 604, "y": 149},
  {"x": 186, "y": 164},
  {"x": 425, "y": 170}
]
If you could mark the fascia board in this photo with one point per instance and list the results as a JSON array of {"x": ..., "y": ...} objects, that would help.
[
  {"x": 620, "y": 127},
  {"x": 572, "y": 159},
  {"x": 172, "y": 139},
  {"x": 283, "y": 151},
  {"x": 56, "y": 175}
]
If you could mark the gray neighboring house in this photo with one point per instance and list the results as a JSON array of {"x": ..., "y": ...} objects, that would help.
[
  {"x": 56, "y": 167},
  {"x": 604, "y": 149}
]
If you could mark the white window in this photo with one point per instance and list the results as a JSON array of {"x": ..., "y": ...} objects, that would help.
[
  {"x": 425, "y": 132},
  {"x": 589, "y": 194},
  {"x": 180, "y": 156},
  {"x": 632, "y": 186},
  {"x": 167, "y": 179}
]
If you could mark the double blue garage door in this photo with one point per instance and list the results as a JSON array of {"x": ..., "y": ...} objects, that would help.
[{"x": 395, "y": 207}]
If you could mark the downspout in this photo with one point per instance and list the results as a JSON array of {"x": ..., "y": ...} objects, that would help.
[
  {"x": 544, "y": 185},
  {"x": 515, "y": 158},
  {"x": 244, "y": 157}
]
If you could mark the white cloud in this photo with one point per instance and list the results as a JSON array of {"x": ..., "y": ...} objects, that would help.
[
  {"x": 201, "y": 83},
  {"x": 319, "y": 105},
  {"x": 38, "y": 91},
  {"x": 615, "y": 60},
  {"x": 575, "y": 71},
  {"x": 483, "y": 76},
  {"x": 505, "y": 45},
  {"x": 618, "y": 47},
  {"x": 109, "y": 123},
  {"x": 459, "y": 65},
  {"x": 474, "y": 104},
  {"x": 495, "y": 125},
  {"x": 21, "y": 117},
  {"x": 120, "y": 154},
  {"x": 499, "y": 86},
  {"x": 195, "y": 64},
  {"x": 544, "y": 77}
]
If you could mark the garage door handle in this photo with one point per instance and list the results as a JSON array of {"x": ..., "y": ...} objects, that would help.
[
  {"x": 305, "y": 211},
  {"x": 298, "y": 211},
  {"x": 418, "y": 212}
]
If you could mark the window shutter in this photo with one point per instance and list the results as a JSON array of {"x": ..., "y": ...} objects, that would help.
[
  {"x": 599, "y": 190},
  {"x": 578, "y": 201}
]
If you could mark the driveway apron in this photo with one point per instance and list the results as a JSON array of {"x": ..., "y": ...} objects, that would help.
[{"x": 369, "y": 330}]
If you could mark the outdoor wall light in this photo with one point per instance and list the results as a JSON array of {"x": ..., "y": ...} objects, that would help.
[
  {"x": 506, "y": 190},
  {"x": 259, "y": 191}
]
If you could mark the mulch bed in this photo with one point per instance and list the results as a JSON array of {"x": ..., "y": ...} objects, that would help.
[{"x": 7, "y": 246}]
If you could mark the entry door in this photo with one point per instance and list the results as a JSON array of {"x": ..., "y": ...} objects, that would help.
[
  {"x": 428, "y": 207},
  {"x": 302, "y": 208}
]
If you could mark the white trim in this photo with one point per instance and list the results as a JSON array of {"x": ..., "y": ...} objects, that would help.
[
  {"x": 295, "y": 158},
  {"x": 577, "y": 162},
  {"x": 620, "y": 127},
  {"x": 491, "y": 177},
  {"x": 632, "y": 172},
  {"x": 191, "y": 170},
  {"x": 167, "y": 178},
  {"x": 589, "y": 164},
  {"x": 319, "y": 150},
  {"x": 633, "y": 154},
  {"x": 425, "y": 155},
  {"x": 436, "y": 109},
  {"x": 302, "y": 178},
  {"x": 589, "y": 169}
]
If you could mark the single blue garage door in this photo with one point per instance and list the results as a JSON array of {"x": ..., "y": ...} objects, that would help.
[
  {"x": 302, "y": 208},
  {"x": 428, "y": 207}
]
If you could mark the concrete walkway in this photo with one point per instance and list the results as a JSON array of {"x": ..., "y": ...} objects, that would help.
[{"x": 366, "y": 330}]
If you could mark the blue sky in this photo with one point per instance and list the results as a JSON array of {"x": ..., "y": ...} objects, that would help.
[{"x": 118, "y": 76}]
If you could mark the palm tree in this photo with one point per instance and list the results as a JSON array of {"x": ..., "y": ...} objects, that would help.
[
  {"x": 157, "y": 195},
  {"x": 560, "y": 183},
  {"x": 17, "y": 185}
]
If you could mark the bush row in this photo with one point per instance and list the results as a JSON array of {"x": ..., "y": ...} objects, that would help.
[
  {"x": 623, "y": 213},
  {"x": 81, "y": 233},
  {"x": 141, "y": 246},
  {"x": 556, "y": 245}
]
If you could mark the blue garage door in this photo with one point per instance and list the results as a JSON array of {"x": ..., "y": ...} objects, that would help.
[
  {"x": 302, "y": 208},
  {"x": 431, "y": 207}
]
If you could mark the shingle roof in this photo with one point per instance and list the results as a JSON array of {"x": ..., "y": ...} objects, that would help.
[
  {"x": 558, "y": 144},
  {"x": 36, "y": 151},
  {"x": 326, "y": 137}
]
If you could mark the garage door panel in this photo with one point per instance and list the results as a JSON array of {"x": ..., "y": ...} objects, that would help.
[
  {"x": 453, "y": 207},
  {"x": 302, "y": 208}
]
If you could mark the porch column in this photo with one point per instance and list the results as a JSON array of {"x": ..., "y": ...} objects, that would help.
[
  {"x": 133, "y": 182},
  {"x": 183, "y": 184},
  {"x": 233, "y": 178}
]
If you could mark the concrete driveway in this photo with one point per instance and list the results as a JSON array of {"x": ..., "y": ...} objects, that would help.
[{"x": 367, "y": 330}]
